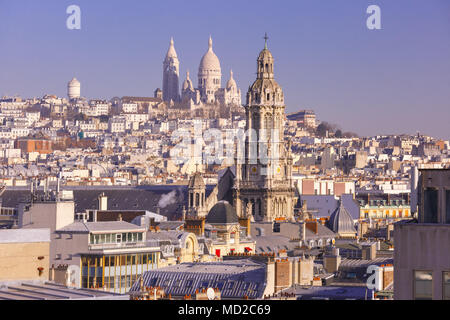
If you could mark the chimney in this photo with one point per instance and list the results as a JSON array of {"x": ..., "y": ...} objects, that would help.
[
  {"x": 102, "y": 202},
  {"x": 184, "y": 214},
  {"x": 303, "y": 230},
  {"x": 158, "y": 210}
]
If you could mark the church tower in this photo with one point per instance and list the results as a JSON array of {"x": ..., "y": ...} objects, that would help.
[
  {"x": 171, "y": 75},
  {"x": 197, "y": 196},
  {"x": 263, "y": 185}
]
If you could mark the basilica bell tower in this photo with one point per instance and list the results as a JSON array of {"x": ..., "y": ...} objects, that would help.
[{"x": 263, "y": 185}]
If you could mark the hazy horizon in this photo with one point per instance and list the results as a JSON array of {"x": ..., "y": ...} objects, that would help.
[{"x": 371, "y": 82}]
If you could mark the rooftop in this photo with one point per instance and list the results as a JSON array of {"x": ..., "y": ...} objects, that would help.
[{"x": 51, "y": 291}]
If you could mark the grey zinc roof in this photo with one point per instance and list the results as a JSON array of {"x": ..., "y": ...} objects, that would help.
[
  {"x": 119, "y": 198},
  {"x": 332, "y": 293},
  {"x": 235, "y": 279},
  {"x": 290, "y": 230},
  {"x": 325, "y": 205},
  {"x": 51, "y": 291},
  {"x": 172, "y": 236}
]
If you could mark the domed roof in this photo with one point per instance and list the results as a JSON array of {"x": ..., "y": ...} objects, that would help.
[
  {"x": 74, "y": 82},
  {"x": 341, "y": 221},
  {"x": 187, "y": 84},
  {"x": 222, "y": 213},
  {"x": 196, "y": 181},
  {"x": 265, "y": 54},
  {"x": 209, "y": 61},
  {"x": 231, "y": 83}
]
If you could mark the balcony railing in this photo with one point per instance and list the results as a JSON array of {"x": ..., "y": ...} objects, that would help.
[{"x": 123, "y": 245}]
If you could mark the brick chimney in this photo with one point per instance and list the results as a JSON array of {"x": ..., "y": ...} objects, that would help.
[{"x": 313, "y": 226}]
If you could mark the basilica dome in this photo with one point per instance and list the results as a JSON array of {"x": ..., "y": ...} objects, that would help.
[{"x": 209, "y": 62}]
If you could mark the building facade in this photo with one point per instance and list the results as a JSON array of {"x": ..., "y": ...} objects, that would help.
[{"x": 422, "y": 259}]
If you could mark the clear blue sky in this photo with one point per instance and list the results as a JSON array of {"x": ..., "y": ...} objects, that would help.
[{"x": 394, "y": 80}]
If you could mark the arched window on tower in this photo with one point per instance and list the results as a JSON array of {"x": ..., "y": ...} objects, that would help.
[{"x": 268, "y": 122}]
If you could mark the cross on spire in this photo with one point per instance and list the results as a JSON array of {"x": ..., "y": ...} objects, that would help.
[{"x": 265, "y": 38}]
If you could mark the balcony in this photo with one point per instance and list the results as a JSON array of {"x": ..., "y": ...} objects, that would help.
[{"x": 122, "y": 245}]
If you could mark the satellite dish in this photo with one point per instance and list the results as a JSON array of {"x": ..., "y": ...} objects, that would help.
[{"x": 211, "y": 294}]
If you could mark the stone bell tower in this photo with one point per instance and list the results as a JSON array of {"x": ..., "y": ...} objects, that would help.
[{"x": 264, "y": 172}]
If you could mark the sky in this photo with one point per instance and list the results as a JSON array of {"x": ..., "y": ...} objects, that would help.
[{"x": 390, "y": 81}]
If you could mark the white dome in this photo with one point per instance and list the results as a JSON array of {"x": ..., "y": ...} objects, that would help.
[
  {"x": 74, "y": 82},
  {"x": 74, "y": 89},
  {"x": 209, "y": 61}
]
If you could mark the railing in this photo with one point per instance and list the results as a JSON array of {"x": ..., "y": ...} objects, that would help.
[{"x": 122, "y": 245}]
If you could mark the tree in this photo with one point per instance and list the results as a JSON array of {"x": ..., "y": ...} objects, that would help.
[{"x": 321, "y": 130}]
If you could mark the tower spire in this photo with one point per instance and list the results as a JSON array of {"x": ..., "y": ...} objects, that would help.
[{"x": 265, "y": 39}]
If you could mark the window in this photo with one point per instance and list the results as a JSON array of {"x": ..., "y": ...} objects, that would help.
[
  {"x": 423, "y": 285},
  {"x": 446, "y": 285},
  {"x": 430, "y": 206}
]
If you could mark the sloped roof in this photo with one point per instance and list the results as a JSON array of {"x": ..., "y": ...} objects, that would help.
[
  {"x": 109, "y": 226},
  {"x": 119, "y": 198},
  {"x": 234, "y": 278},
  {"x": 325, "y": 205}
]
